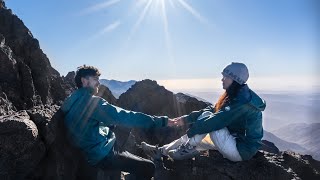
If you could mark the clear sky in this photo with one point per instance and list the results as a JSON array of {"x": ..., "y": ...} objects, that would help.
[{"x": 181, "y": 43}]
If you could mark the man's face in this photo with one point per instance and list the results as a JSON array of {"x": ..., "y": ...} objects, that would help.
[{"x": 91, "y": 81}]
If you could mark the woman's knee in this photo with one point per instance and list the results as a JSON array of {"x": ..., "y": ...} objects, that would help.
[{"x": 204, "y": 114}]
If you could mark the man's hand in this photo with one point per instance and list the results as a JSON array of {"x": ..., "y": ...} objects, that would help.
[{"x": 175, "y": 122}]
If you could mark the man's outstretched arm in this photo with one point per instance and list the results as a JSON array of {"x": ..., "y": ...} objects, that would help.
[{"x": 113, "y": 115}]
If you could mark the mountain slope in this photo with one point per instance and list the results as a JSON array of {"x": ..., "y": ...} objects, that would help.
[
  {"x": 282, "y": 144},
  {"x": 306, "y": 135}
]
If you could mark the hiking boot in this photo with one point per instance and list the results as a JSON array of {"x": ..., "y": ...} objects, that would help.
[
  {"x": 185, "y": 151},
  {"x": 153, "y": 151}
]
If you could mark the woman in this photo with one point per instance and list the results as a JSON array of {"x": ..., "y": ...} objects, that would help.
[{"x": 234, "y": 124}]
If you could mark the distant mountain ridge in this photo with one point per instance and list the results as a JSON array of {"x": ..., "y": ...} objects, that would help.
[
  {"x": 306, "y": 135},
  {"x": 117, "y": 87},
  {"x": 282, "y": 144}
]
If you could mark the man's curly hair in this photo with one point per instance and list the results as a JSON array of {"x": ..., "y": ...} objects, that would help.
[{"x": 84, "y": 71}]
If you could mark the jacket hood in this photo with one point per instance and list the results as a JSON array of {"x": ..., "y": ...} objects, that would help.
[
  {"x": 257, "y": 101},
  {"x": 246, "y": 95},
  {"x": 74, "y": 97}
]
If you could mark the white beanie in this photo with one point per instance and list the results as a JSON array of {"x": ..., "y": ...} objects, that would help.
[{"x": 237, "y": 72}]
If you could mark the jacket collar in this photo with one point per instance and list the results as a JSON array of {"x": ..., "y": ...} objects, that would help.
[{"x": 86, "y": 90}]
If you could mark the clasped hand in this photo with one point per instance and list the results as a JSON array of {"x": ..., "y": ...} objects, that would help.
[{"x": 176, "y": 122}]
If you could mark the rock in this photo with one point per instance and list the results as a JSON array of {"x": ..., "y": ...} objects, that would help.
[
  {"x": 69, "y": 84},
  {"x": 25, "y": 71},
  {"x": 263, "y": 165},
  {"x": 21, "y": 148},
  {"x": 148, "y": 97},
  {"x": 2, "y": 5},
  {"x": 17, "y": 85},
  {"x": 6, "y": 107},
  {"x": 187, "y": 104},
  {"x": 70, "y": 79},
  {"x": 106, "y": 94},
  {"x": 269, "y": 147},
  {"x": 42, "y": 117}
]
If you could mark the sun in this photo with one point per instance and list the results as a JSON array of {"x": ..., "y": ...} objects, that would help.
[{"x": 162, "y": 6}]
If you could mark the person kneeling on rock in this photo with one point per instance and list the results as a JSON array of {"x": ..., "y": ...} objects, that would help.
[
  {"x": 233, "y": 126},
  {"x": 88, "y": 119}
]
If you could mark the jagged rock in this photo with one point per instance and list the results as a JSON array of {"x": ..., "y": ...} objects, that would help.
[
  {"x": 187, "y": 104},
  {"x": 2, "y": 5},
  {"x": 21, "y": 148},
  {"x": 70, "y": 79},
  {"x": 105, "y": 93},
  {"x": 25, "y": 70},
  {"x": 69, "y": 84},
  {"x": 269, "y": 147},
  {"x": 18, "y": 89},
  {"x": 6, "y": 107},
  {"x": 41, "y": 116},
  {"x": 148, "y": 97},
  {"x": 213, "y": 166}
]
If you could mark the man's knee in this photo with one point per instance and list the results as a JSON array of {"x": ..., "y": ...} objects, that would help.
[
  {"x": 151, "y": 167},
  {"x": 148, "y": 169}
]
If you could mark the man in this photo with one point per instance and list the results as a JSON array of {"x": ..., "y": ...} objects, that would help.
[{"x": 88, "y": 119}]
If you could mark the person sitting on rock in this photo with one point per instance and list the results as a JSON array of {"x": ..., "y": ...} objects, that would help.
[
  {"x": 233, "y": 126},
  {"x": 88, "y": 119}
]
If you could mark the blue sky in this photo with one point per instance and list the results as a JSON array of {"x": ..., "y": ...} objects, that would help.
[{"x": 179, "y": 40}]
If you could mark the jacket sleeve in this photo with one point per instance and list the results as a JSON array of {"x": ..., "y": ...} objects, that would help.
[
  {"x": 216, "y": 121},
  {"x": 193, "y": 116},
  {"x": 113, "y": 115}
]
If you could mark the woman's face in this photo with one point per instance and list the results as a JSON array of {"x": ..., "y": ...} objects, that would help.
[{"x": 226, "y": 82}]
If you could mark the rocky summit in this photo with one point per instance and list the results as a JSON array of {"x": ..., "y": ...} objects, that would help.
[
  {"x": 26, "y": 75},
  {"x": 33, "y": 142}
]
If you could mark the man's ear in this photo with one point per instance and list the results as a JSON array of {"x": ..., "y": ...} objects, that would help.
[{"x": 84, "y": 82}]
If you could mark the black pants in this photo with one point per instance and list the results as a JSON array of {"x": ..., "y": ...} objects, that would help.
[{"x": 125, "y": 161}]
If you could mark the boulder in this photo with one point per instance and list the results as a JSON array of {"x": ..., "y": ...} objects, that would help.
[{"x": 21, "y": 147}]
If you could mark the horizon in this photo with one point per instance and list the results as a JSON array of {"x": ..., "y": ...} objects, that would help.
[{"x": 214, "y": 85}]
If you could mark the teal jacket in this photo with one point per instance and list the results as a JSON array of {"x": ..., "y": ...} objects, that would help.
[
  {"x": 242, "y": 117},
  {"x": 88, "y": 118}
]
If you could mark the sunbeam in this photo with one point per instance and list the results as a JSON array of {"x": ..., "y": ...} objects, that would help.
[
  {"x": 166, "y": 28},
  {"x": 189, "y": 8},
  {"x": 171, "y": 3},
  {"x": 109, "y": 28},
  {"x": 100, "y": 6},
  {"x": 167, "y": 34},
  {"x": 140, "y": 19}
]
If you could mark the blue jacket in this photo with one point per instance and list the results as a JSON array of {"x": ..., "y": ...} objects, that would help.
[
  {"x": 88, "y": 118},
  {"x": 243, "y": 118}
]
